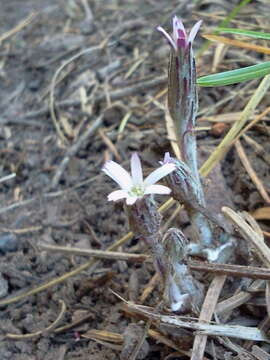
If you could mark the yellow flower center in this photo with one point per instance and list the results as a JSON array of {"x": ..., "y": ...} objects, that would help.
[{"x": 137, "y": 190}]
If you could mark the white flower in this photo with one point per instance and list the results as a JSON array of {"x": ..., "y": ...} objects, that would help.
[{"x": 133, "y": 186}]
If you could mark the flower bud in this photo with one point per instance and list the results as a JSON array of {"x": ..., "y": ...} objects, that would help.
[
  {"x": 183, "y": 293},
  {"x": 182, "y": 90},
  {"x": 144, "y": 218},
  {"x": 183, "y": 184}
]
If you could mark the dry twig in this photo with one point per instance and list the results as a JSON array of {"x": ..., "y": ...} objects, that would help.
[
  {"x": 99, "y": 254},
  {"x": 50, "y": 328},
  {"x": 75, "y": 148},
  {"x": 18, "y": 27},
  {"x": 250, "y": 272},
  {"x": 206, "y": 314},
  {"x": 246, "y": 163},
  {"x": 240, "y": 332}
]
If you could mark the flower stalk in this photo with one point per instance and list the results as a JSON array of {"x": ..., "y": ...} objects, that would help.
[
  {"x": 183, "y": 104},
  {"x": 187, "y": 190},
  {"x": 144, "y": 221},
  {"x": 144, "y": 218},
  {"x": 182, "y": 89}
]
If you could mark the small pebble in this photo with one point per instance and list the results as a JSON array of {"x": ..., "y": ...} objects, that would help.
[
  {"x": 219, "y": 129},
  {"x": 3, "y": 286},
  {"x": 8, "y": 242}
]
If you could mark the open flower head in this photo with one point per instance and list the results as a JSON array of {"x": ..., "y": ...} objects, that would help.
[
  {"x": 132, "y": 185},
  {"x": 179, "y": 38}
]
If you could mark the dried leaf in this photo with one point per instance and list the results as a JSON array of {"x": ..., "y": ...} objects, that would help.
[
  {"x": 238, "y": 43},
  {"x": 262, "y": 213},
  {"x": 104, "y": 335}
]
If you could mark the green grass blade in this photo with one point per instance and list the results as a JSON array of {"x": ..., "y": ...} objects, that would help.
[
  {"x": 254, "y": 34},
  {"x": 235, "y": 76},
  {"x": 224, "y": 23}
]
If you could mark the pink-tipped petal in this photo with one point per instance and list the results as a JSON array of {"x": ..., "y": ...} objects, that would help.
[
  {"x": 158, "y": 174},
  {"x": 194, "y": 31},
  {"x": 157, "y": 189},
  {"x": 118, "y": 174},
  {"x": 117, "y": 195},
  {"x": 168, "y": 37},
  {"x": 178, "y": 28},
  {"x": 136, "y": 170},
  {"x": 131, "y": 200},
  {"x": 179, "y": 33}
]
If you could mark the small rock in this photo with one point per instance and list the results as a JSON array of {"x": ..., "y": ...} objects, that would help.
[
  {"x": 219, "y": 129},
  {"x": 8, "y": 242},
  {"x": 3, "y": 286}
]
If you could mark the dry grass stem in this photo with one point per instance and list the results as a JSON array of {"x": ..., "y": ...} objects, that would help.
[
  {"x": 164, "y": 340},
  {"x": 18, "y": 27},
  {"x": 226, "y": 306},
  {"x": 54, "y": 82},
  {"x": 49, "y": 329},
  {"x": 99, "y": 254},
  {"x": 109, "y": 144},
  {"x": 254, "y": 238},
  {"x": 206, "y": 314},
  {"x": 238, "y": 43},
  {"x": 154, "y": 281},
  {"x": 75, "y": 148},
  {"x": 250, "y": 272},
  {"x": 204, "y": 329},
  {"x": 247, "y": 165},
  {"x": 226, "y": 143},
  {"x": 8, "y": 177}
]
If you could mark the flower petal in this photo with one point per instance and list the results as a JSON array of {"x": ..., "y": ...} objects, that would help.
[
  {"x": 178, "y": 26},
  {"x": 117, "y": 195},
  {"x": 179, "y": 33},
  {"x": 194, "y": 31},
  {"x": 118, "y": 174},
  {"x": 167, "y": 159},
  {"x": 136, "y": 170},
  {"x": 158, "y": 174},
  {"x": 131, "y": 200},
  {"x": 168, "y": 37},
  {"x": 157, "y": 189}
]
